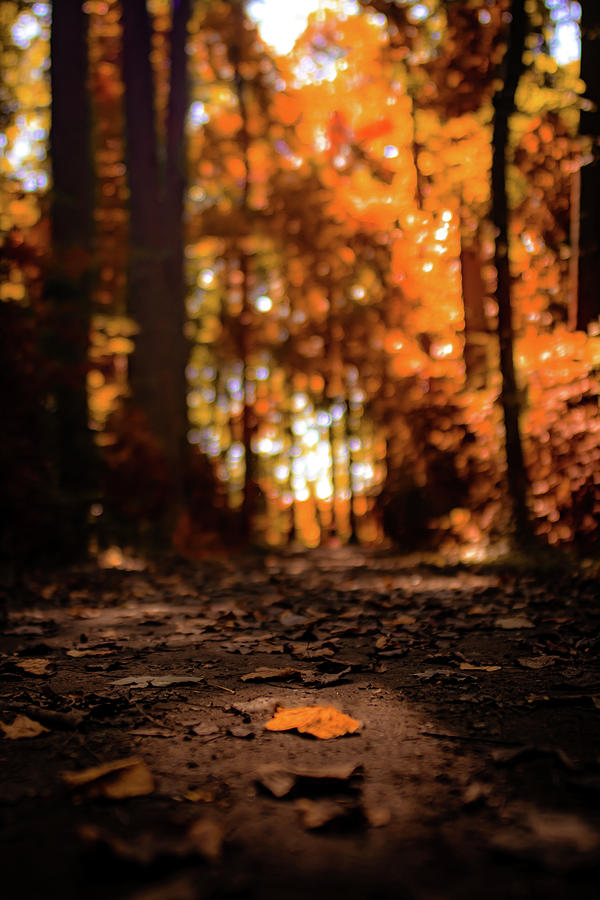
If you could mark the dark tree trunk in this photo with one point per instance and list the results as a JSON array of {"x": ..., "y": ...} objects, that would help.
[
  {"x": 245, "y": 319},
  {"x": 473, "y": 291},
  {"x": 504, "y": 105},
  {"x": 156, "y": 280},
  {"x": 588, "y": 306},
  {"x": 69, "y": 281}
]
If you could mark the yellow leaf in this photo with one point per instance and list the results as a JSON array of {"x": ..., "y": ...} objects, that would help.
[
  {"x": 321, "y": 721},
  {"x": 22, "y": 727},
  {"x": 118, "y": 779}
]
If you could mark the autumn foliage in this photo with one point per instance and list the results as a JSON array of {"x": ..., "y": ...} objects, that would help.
[{"x": 340, "y": 292}]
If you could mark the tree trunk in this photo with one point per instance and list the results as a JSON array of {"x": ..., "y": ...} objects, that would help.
[
  {"x": 156, "y": 281},
  {"x": 245, "y": 319},
  {"x": 588, "y": 306},
  {"x": 473, "y": 292},
  {"x": 69, "y": 282},
  {"x": 504, "y": 105}
]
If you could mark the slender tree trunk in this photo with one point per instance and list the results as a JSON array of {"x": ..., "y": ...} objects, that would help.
[
  {"x": 156, "y": 281},
  {"x": 245, "y": 318},
  {"x": 69, "y": 282},
  {"x": 588, "y": 306},
  {"x": 473, "y": 292},
  {"x": 176, "y": 179},
  {"x": 504, "y": 105}
]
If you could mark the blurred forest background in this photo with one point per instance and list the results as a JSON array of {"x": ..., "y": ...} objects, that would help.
[{"x": 345, "y": 290}]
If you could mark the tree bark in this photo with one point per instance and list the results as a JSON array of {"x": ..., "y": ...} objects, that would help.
[
  {"x": 69, "y": 282},
  {"x": 156, "y": 278},
  {"x": 473, "y": 292},
  {"x": 245, "y": 319},
  {"x": 504, "y": 106},
  {"x": 588, "y": 306}
]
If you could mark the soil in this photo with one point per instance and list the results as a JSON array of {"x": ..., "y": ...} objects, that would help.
[{"x": 475, "y": 771}]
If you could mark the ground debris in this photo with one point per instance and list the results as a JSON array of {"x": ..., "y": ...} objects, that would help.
[
  {"x": 202, "y": 837},
  {"x": 280, "y": 780},
  {"x": 116, "y": 780},
  {"x": 22, "y": 727}
]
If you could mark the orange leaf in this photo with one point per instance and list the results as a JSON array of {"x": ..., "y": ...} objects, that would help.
[{"x": 321, "y": 721}]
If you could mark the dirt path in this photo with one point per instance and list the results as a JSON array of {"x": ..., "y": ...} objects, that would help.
[{"x": 475, "y": 771}]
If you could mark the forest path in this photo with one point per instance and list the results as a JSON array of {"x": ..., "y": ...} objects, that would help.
[{"x": 475, "y": 771}]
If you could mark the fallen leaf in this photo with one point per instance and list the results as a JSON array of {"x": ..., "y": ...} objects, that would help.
[
  {"x": 152, "y": 732},
  {"x": 35, "y": 666},
  {"x": 22, "y": 727},
  {"x": 318, "y": 679},
  {"x": 241, "y": 731},
  {"x": 258, "y": 706},
  {"x": 468, "y": 667},
  {"x": 317, "y": 813},
  {"x": 532, "y": 752},
  {"x": 323, "y": 722},
  {"x": 99, "y": 651},
  {"x": 377, "y": 816},
  {"x": 199, "y": 796},
  {"x": 121, "y": 778},
  {"x": 536, "y": 662},
  {"x": 402, "y": 619},
  {"x": 203, "y": 837},
  {"x": 476, "y": 792},
  {"x": 267, "y": 674},
  {"x": 509, "y": 623},
  {"x": 142, "y": 681},
  {"x": 280, "y": 780},
  {"x": 205, "y": 730}
]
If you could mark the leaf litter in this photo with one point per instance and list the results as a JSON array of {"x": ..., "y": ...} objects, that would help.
[{"x": 453, "y": 632}]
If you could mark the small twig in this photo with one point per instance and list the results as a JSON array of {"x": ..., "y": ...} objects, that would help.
[{"x": 220, "y": 686}]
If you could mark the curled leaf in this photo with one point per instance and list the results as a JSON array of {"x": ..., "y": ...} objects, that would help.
[{"x": 121, "y": 778}]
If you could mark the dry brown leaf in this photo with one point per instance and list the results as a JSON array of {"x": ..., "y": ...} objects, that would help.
[
  {"x": 279, "y": 780},
  {"x": 199, "y": 796},
  {"x": 403, "y": 619},
  {"x": 99, "y": 651},
  {"x": 536, "y": 662},
  {"x": 469, "y": 667},
  {"x": 121, "y": 778},
  {"x": 317, "y": 813},
  {"x": 143, "y": 681},
  {"x": 35, "y": 666},
  {"x": 509, "y": 623},
  {"x": 22, "y": 727},
  {"x": 264, "y": 673},
  {"x": 205, "y": 837},
  {"x": 323, "y": 722},
  {"x": 377, "y": 816}
]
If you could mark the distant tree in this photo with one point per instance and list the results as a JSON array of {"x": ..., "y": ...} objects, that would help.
[
  {"x": 588, "y": 307},
  {"x": 504, "y": 106},
  {"x": 156, "y": 279},
  {"x": 69, "y": 278}
]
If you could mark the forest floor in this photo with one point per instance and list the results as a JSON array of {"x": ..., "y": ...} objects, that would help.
[{"x": 475, "y": 772}]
